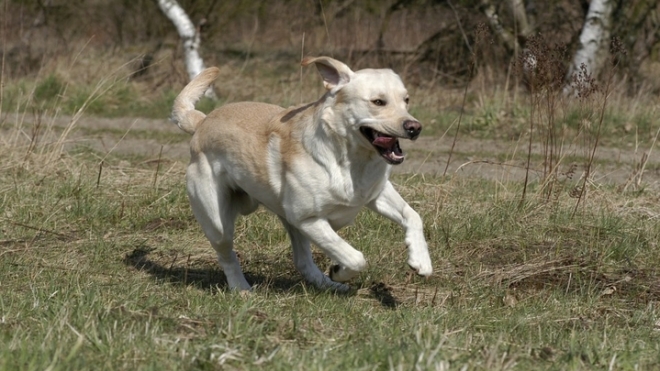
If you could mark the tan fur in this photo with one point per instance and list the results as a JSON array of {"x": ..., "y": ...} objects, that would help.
[
  {"x": 238, "y": 128},
  {"x": 184, "y": 113}
]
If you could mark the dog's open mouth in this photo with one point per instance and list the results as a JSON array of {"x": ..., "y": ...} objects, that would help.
[{"x": 386, "y": 145}]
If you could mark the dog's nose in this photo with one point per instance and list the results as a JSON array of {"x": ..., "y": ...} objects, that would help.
[{"x": 413, "y": 128}]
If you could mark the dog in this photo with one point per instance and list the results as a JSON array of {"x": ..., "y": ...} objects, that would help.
[{"x": 315, "y": 166}]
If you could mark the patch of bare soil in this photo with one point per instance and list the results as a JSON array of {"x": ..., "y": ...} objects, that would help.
[{"x": 488, "y": 159}]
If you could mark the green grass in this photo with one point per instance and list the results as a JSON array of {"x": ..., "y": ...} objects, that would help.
[
  {"x": 104, "y": 267},
  {"x": 115, "y": 274}
]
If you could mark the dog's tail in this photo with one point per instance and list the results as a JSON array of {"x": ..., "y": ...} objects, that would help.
[{"x": 184, "y": 113}]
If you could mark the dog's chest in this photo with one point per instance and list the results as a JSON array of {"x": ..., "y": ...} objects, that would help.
[
  {"x": 342, "y": 216},
  {"x": 347, "y": 195},
  {"x": 357, "y": 185}
]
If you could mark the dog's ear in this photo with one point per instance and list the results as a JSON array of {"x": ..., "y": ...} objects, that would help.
[{"x": 333, "y": 72}]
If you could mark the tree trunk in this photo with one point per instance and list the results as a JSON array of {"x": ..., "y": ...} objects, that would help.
[
  {"x": 523, "y": 27},
  {"x": 507, "y": 37},
  {"x": 593, "y": 48},
  {"x": 190, "y": 37}
]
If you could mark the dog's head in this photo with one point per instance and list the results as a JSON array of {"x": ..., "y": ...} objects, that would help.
[{"x": 370, "y": 104}]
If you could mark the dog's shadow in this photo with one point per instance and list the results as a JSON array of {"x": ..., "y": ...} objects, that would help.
[
  {"x": 204, "y": 278},
  {"x": 383, "y": 294},
  {"x": 212, "y": 278}
]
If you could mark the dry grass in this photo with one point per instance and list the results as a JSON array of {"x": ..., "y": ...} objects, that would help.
[
  {"x": 102, "y": 263},
  {"x": 119, "y": 273}
]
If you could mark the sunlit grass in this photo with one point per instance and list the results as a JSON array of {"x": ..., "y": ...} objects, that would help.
[
  {"x": 116, "y": 273},
  {"x": 103, "y": 267}
]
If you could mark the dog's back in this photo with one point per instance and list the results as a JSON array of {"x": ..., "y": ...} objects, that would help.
[
  {"x": 235, "y": 127},
  {"x": 242, "y": 116}
]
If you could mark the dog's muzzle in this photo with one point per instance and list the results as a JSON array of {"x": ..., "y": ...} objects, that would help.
[{"x": 388, "y": 145}]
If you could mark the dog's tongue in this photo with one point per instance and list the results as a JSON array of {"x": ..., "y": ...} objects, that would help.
[
  {"x": 388, "y": 148},
  {"x": 384, "y": 141}
]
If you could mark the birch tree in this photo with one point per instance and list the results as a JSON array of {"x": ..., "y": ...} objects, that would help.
[
  {"x": 493, "y": 19},
  {"x": 190, "y": 37},
  {"x": 593, "y": 47}
]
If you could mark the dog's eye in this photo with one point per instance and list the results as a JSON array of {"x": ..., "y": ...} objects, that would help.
[
  {"x": 407, "y": 100},
  {"x": 378, "y": 102}
]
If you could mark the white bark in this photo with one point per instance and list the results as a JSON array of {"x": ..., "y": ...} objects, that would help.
[
  {"x": 190, "y": 37},
  {"x": 593, "y": 49}
]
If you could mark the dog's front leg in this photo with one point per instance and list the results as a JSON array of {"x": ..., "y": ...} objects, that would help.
[
  {"x": 350, "y": 261},
  {"x": 302, "y": 258},
  {"x": 391, "y": 205}
]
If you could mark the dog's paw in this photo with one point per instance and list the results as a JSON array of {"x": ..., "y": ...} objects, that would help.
[
  {"x": 338, "y": 273},
  {"x": 422, "y": 266},
  {"x": 326, "y": 283}
]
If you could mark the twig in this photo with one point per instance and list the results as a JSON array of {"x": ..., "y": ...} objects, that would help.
[
  {"x": 119, "y": 141},
  {"x": 473, "y": 63},
  {"x": 185, "y": 271},
  {"x": 98, "y": 178},
  {"x": 160, "y": 154},
  {"x": 2, "y": 59},
  {"x": 176, "y": 256},
  {"x": 36, "y": 129},
  {"x": 460, "y": 27},
  {"x": 38, "y": 229},
  {"x": 10, "y": 251},
  {"x": 583, "y": 189},
  {"x": 327, "y": 31},
  {"x": 529, "y": 154},
  {"x": 302, "y": 56},
  {"x": 460, "y": 117},
  {"x": 489, "y": 162},
  {"x": 637, "y": 176}
]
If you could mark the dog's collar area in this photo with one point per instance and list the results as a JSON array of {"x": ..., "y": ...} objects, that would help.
[{"x": 386, "y": 145}]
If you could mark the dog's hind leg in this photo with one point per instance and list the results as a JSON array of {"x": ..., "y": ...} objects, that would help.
[
  {"x": 302, "y": 259},
  {"x": 216, "y": 212}
]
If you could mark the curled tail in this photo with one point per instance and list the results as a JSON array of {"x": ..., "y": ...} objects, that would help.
[{"x": 184, "y": 113}]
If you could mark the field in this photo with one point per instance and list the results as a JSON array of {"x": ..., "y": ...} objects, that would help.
[{"x": 537, "y": 266}]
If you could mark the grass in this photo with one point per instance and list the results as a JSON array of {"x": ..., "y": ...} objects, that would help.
[
  {"x": 102, "y": 265},
  {"x": 112, "y": 272}
]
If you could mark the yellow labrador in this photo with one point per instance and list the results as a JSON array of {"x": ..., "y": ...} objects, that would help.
[{"x": 315, "y": 166}]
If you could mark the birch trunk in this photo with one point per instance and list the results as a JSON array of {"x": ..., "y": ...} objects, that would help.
[
  {"x": 523, "y": 28},
  {"x": 507, "y": 37},
  {"x": 190, "y": 37},
  {"x": 593, "y": 48}
]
